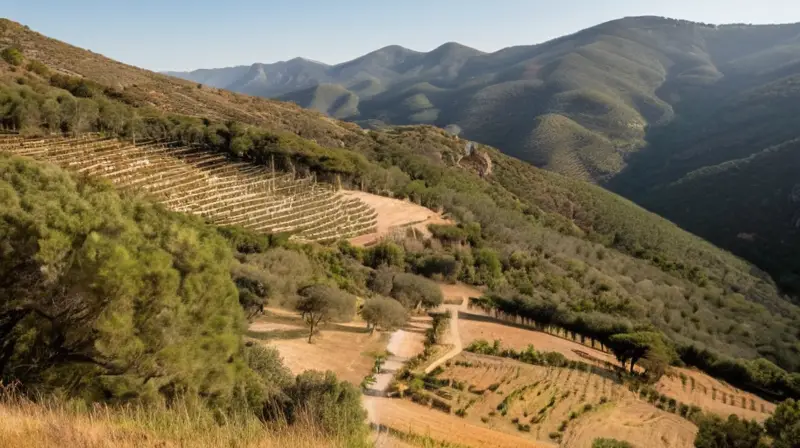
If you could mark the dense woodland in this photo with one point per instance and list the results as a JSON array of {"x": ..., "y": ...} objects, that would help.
[{"x": 148, "y": 312}]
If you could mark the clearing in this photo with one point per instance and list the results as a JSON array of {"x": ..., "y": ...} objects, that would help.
[
  {"x": 407, "y": 417},
  {"x": 394, "y": 215},
  {"x": 685, "y": 385},
  {"x": 346, "y": 349},
  {"x": 635, "y": 422},
  {"x": 474, "y": 326},
  {"x": 545, "y": 404}
]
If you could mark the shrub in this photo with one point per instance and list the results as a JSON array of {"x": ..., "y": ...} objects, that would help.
[
  {"x": 336, "y": 405},
  {"x": 385, "y": 313},
  {"x": 38, "y": 68},
  {"x": 12, "y": 56},
  {"x": 714, "y": 432},
  {"x": 414, "y": 291}
]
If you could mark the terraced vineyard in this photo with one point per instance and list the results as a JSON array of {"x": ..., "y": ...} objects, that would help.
[{"x": 187, "y": 179}]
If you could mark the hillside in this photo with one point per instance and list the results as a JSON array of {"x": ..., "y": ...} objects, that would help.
[
  {"x": 634, "y": 104},
  {"x": 571, "y": 245}
]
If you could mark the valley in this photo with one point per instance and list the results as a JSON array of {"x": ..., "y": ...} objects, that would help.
[
  {"x": 651, "y": 108},
  {"x": 183, "y": 265}
]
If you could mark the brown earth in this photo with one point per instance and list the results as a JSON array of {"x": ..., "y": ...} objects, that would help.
[
  {"x": 533, "y": 388},
  {"x": 474, "y": 325},
  {"x": 346, "y": 349},
  {"x": 408, "y": 417},
  {"x": 395, "y": 215},
  {"x": 707, "y": 393},
  {"x": 638, "y": 423}
]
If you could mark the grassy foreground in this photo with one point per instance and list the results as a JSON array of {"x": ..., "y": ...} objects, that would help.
[{"x": 49, "y": 423}]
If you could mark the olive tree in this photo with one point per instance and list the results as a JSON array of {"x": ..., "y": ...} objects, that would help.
[
  {"x": 414, "y": 291},
  {"x": 319, "y": 304},
  {"x": 388, "y": 314}
]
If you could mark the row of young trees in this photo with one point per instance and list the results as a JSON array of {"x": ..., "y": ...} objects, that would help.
[{"x": 641, "y": 345}]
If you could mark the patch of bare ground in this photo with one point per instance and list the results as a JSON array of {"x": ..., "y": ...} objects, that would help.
[
  {"x": 347, "y": 349},
  {"x": 526, "y": 400},
  {"x": 395, "y": 215},
  {"x": 474, "y": 325},
  {"x": 407, "y": 417},
  {"x": 713, "y": 395},
  {"x": 637, "y": 423}
]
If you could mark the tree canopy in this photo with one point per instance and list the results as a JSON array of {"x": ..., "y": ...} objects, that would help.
[
  {"x": 109, "y": 295},
  {"x": 388, "y": 314},
  {"x": 319, "y": 304}
]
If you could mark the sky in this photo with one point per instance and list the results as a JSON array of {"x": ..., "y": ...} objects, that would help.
[{"x": 185, "y": 35}]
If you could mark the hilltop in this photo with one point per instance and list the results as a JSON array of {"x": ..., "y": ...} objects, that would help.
[
  {"x": 572, "y": 245},
  {"x": 635, "y": 104}
]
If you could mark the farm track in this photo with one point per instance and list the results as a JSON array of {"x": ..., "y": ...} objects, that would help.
[{"x": 190, "y": 180}]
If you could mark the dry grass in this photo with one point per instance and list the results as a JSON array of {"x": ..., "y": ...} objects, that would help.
[
  {"x": 635, "y": 422},
  {"x": 25, "y": 424},
  {"x": 346, "y": 349},
  {"x": 473, "y": 326},
  {"x": 404, "y": 416},
  {"x": 395, "y": 215}
]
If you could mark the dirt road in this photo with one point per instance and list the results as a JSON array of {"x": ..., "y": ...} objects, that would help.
[{"x": 454, "y": 292}]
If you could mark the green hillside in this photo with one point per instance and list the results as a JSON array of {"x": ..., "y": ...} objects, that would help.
[
  {"x": 633, "y": 104},
  {"x": 589, "y": 256}
]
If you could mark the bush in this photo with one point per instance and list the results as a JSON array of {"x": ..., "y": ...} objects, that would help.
[
  {"x": 335, "y": 405},
  {"x": 385, "y": 313},
  {"x": 414, "y": 291},
  {"x": 714, "y": 432},
  {"x": 12, "y": 56},
  {"x": 38, "y": 68}
]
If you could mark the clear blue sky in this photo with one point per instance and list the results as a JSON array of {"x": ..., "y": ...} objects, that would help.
[{"x": 181, "y": 34}]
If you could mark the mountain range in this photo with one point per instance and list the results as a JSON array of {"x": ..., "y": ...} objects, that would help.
[{"x": 696, "y": 122}]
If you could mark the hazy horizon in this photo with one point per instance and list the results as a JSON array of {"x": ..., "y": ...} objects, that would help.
[{"x": 184, "y": 36}]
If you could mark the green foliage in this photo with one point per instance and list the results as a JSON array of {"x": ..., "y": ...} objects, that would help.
[
  {"x": 647, "y": 346},
  {"x": 385, "y": 253},
  {"x": 714, "y": 432},
  {"x": 783, "y": 426},
  {"x": 111, "y": 297},
  {"x": 319, "y": 304},
  {"x": 12, "y": 56},
  {"x": 414, "y": 291},
  {"x": 38, "y": 68},
  {"x": 334, "y": 404},
  {"x": 388, "y": 314},
  {"x": 610, "y": 443}
]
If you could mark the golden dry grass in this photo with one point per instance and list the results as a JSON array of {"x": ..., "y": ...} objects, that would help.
[
  {"x": 25, "y": 424},
  {"x": 395, "y": 215}
]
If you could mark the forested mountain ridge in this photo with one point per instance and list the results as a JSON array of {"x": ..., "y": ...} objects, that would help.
[
  {"x": 582, "y": 252},
  {"x": 634, "y": 104}
]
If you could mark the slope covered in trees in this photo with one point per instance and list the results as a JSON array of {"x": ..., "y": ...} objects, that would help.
[
  {"x": 636, "y": 104},
  {"x": 580, "y": 251}
]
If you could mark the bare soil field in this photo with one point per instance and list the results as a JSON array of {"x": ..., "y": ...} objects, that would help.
[
  {"x": 346, "y": 349},
  {"x": 409, "y": 341},
  {"x": 713, "y": 395},
  {"x": 473, "y": 326},
  {"x": 407, "y": 417},
  {"x": 502, "y": 394},
  {"x": 638, "y": 423},
  {"x": 394, "y": 215}
]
